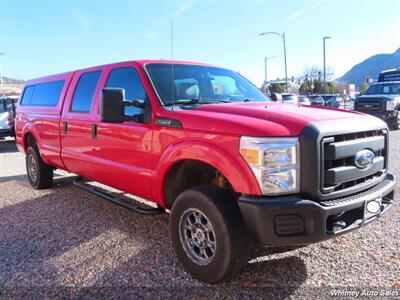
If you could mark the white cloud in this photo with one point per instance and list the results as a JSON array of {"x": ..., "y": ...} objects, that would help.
[
  {"x": 83, "y": 21},
  {"x": 183, "y": 8},
  {"x": 302, "y": 12}
]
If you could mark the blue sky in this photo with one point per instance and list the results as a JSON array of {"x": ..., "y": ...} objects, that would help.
[{"x": 44, "y": 37}]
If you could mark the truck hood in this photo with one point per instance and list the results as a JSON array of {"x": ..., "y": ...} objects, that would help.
[{"x": 258, "y": 118}]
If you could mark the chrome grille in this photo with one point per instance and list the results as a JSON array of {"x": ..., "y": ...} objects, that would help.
[
  {"x": 338, "y": 171},
  {"x": 370, "y": 105}
]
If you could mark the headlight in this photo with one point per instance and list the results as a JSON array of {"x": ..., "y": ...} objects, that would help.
[
  {"x": 391, "y": 104},
  {"x": 274, "y": 162}
]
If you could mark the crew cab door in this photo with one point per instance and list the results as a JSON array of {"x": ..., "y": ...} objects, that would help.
[
  {"x": 76, "y": 123},
  {"x": 122, "y": 153}
]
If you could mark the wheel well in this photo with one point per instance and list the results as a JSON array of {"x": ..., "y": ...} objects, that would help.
[
  {"x": 190, "y": 173},
  {"x": 29, "y": 141}
]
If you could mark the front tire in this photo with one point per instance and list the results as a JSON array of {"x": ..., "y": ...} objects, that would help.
[
  {"x": 40, "y": 175},
  {"x": 395, "y": 122},
  {"x": 208, "y": 234}
]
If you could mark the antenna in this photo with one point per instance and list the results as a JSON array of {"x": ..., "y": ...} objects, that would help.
[
  {"x": 172, "y": 57},
  {"x": 172, "y": 39}
]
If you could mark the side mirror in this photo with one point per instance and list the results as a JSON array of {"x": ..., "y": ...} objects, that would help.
[{"x": 113, "y": 103}]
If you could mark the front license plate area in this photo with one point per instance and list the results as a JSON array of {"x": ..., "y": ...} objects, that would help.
[{"x": 372, "y": 207}]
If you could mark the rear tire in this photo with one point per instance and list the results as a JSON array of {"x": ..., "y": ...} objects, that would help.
[
  {"x": 40, "y": 175},
  {"x": 208, "y": 234}
]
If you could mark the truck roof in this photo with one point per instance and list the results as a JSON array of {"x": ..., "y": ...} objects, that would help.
[
  {"x": 389, "y": 75},
  {"x": 385, "y": 82},
  {"x": 141, "y": 62}
]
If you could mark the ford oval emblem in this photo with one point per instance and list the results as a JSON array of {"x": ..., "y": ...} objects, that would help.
[{"x": 364, "y": 158}]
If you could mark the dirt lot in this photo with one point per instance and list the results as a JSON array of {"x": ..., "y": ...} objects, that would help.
[{"x": 66, "y": 242}]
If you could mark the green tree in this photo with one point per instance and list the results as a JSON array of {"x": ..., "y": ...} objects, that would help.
[
  {"x": 311, "y": 87},
  {"x": 331, "y": 88},
  {"x": 318, "y": 86},
  {"x": 305, "y": 87},
  {"x": 276, "y": 88},
  {"x": 363, "y": 87}
]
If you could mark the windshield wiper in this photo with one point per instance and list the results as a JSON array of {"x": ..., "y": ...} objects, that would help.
[
  {"x": 182, "y": 102},
  {"x": 250, "y": 100},
  {"x": 195, "y": 101}
]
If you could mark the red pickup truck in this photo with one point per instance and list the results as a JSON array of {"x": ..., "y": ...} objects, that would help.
[{"x": 200, "y": 141}]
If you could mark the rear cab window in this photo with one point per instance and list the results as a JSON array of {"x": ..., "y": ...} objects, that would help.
[
  {"x": 42, "y": 94},
  {"x": 27, "y": 95}
]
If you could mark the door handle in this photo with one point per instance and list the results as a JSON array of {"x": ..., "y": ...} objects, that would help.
[
  {"x": 65, "y": 126},
  {"x": 94, "y": 131}
]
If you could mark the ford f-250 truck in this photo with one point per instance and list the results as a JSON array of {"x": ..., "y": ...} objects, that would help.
[
  {"x": 382, "y": 99},
  {"x": 205, "y": 145}
]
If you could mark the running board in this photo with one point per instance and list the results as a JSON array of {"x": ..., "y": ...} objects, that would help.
[{"x": 80, "y": 183}]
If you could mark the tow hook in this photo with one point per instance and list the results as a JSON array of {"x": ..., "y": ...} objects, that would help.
[{"x": 338, "y": 225}]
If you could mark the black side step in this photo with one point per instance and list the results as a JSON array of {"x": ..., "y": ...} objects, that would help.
[{"x": 80, "y": 183}]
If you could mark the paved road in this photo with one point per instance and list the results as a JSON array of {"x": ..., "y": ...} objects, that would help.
[{"x": 64, "y": 241}]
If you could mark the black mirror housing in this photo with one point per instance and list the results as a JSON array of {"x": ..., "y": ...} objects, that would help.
[{"x": 112, "y": 105}]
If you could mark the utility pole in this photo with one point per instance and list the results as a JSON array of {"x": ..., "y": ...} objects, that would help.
[
  {"x": 284, "y": 51},
  {"x": 325, "y": 38}
]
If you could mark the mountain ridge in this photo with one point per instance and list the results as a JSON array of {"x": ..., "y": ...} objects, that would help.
[
  {"x": 371, "y": 67},
  {"x": 8, "y": 80}
]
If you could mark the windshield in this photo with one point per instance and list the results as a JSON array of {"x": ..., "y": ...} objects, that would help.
[
  {"x": 289, "y": 97},
  {"x": 303, "y": 99},
  {"x": 315, "y": 98},
  {"x": 328, "y": 97},
  {"x": 175, "y": 82},
  {"x": 387, "y": 88}
]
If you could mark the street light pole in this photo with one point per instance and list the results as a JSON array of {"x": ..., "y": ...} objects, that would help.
[
  {"x": 265, "y": 69},
  {"x": 266, "y": 63},
  {"x": 325, "y": 38},
  {"x": 284, "y": 51},
  {"x": 284, "y": 54}
]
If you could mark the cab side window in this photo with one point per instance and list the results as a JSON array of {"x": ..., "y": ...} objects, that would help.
[
  {"x": 84, "y": 91},
  {"x": 128, "y": 79}
]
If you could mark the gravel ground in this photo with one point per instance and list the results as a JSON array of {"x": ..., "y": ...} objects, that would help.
[{"x": 64, "y": 242}]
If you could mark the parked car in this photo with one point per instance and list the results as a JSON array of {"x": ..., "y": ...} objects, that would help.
[
  {"x": 290, "y": 98},
  {"x": 332, "y": 100},
  {"x": 276, "y": 97},
  {"x": 382, "y": 99},
  {"x": 316, "y": 100},
  {"x": 304, "y": 100},
  {"x": 7, "y": 112},
  {"x": 229, "y": 168},
  {"x": 347, "y": 102}
]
